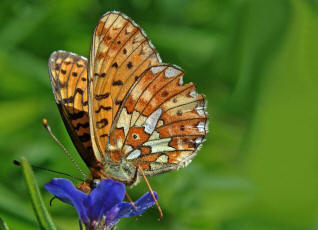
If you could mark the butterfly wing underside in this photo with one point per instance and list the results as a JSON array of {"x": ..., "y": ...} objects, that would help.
[
  {"x": 125, "y": 110},
  {"x": 120, "y": 53},
  {"x": 162, "y": 122},
  {"x": 68, "y": 76}
]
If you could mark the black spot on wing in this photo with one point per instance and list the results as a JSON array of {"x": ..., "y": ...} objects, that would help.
[
  {"x": 101, "y": 96},
  {"x": 79, "y": 125},
  {"x": 118, "y": 102},
  {"x": 107, "y": 108},
  {"x": 78, "y": 115},
  {"x": 117, "y": 83},
  {"x": 129, "y": 65},
  {"x": 85, "y": 137},
  {"x": 102, "y": 123},
  {"x": 68, "y": 100}
]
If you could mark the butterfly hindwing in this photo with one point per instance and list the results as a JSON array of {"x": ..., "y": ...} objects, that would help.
[
  {"x": 162, "y": 122},
  {"x": 68, "y": 75},
  {"x": 120, "y": 53}
]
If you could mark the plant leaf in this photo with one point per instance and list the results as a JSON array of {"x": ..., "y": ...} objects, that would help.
[
  {"x": 3, "y": 225},
  {"x": 42, "y": 215}
]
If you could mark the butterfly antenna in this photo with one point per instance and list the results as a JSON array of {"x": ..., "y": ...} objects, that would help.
[
  {"x": 48, "y": 128},
  {"x": 151, "y": 192},
  {"x": 18, "y": 163}
]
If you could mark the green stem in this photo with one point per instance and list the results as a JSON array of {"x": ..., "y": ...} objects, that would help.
[
  {"x": 42, "y": 215},
  {"x": 3, "y": 225}
]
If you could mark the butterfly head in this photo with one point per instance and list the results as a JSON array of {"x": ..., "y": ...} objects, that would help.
[{"x": 88, "y": 185}]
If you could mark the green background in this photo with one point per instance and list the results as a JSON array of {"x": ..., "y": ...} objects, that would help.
[{"x": 255, "y": 60}]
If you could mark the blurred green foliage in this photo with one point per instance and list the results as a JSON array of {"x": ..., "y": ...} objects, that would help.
[{"x": 256, "y": 61}]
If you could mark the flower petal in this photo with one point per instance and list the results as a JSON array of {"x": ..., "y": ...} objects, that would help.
[
  {"x": 68, "y": 193},
  {"x": 125, "y": 209},
  {"x": 107, "y": 194},
  {"x": 143, "y": 203}
]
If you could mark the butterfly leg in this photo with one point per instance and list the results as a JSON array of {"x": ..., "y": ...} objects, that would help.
[
  {"x": 151, "y": 192},
  {"x": 130, "y": 201}
]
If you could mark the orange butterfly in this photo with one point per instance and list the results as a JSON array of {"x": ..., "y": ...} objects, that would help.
[{"x": 128, "y": 114}]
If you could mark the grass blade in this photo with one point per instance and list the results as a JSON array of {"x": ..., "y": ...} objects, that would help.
[
  {"x": 3, "y": 225},
  {"x": 42, "y": 215}
]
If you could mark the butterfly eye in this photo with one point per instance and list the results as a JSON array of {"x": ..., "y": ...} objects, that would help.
[
  {"x": 95, "y": 183},
  {"x": 135, "y": 136}
]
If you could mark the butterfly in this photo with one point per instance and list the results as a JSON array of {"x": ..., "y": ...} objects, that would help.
[{"x": 126, "y": 112}]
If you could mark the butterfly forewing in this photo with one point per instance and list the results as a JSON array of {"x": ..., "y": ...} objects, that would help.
[
  {"x": 68, "y": 75},
  {"x": 162, "y": 122},
  {"x": 120, "y": 53}
]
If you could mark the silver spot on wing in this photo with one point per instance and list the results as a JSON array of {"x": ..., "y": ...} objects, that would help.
[
  {"x": 171, "y": 72},
  {"x": 152, "y": 121},
  {"x": 201, "y": 127},
  {"x": 157, "y": 69},
  {"x": 134, "y": 154}
]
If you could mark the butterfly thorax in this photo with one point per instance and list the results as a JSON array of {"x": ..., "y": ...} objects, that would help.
[{"x": 121, "y": 170}]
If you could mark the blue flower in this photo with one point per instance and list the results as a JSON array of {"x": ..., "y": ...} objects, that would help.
[{"x": 104, "y": 205}]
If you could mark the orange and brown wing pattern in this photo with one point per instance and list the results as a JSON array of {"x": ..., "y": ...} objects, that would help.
[
  {"x": 162, "y": 122},
  {"x": 68, "y": 75},
  {"x": 120, "y": 53}
]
